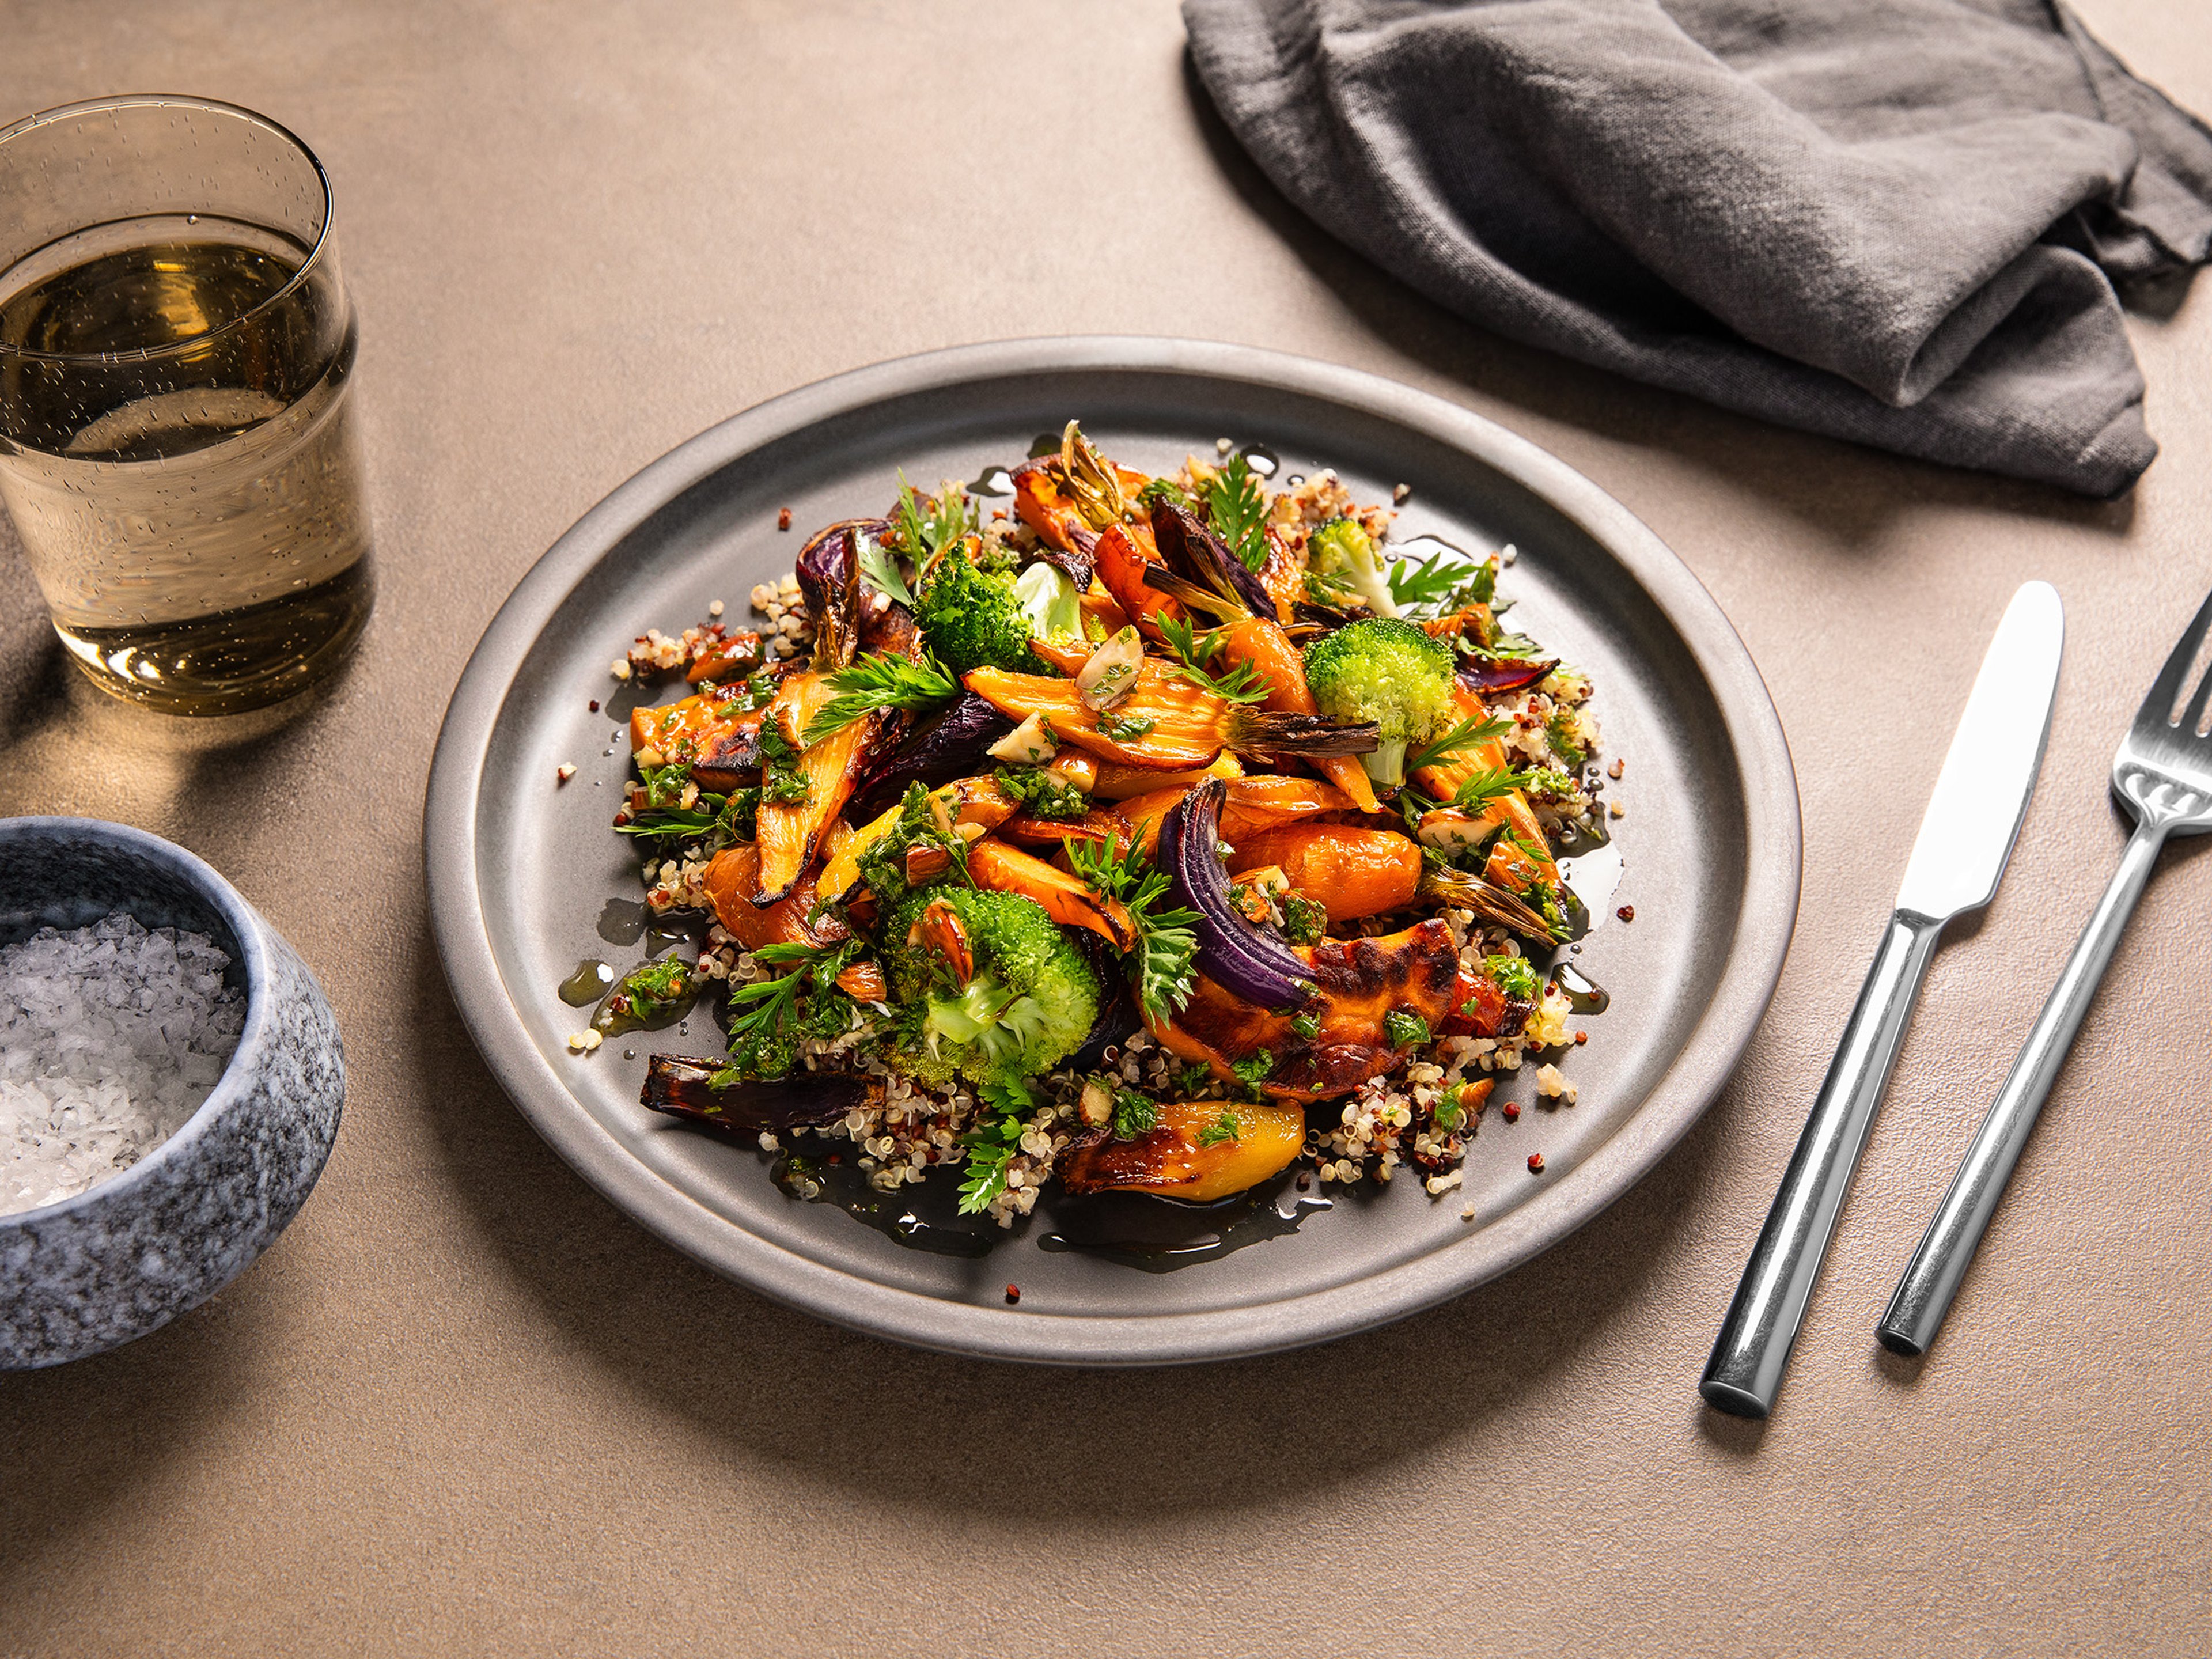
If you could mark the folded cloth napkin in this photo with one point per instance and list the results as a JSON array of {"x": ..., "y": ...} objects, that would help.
[{"x": 1893, "y": 220}]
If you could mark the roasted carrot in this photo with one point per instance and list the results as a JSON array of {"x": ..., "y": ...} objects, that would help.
[
  {"x": 1262, "y": 643},
  {"x": 789, "y": 832},
  {"x": 1068, "y": 899},
  {"x": 1165, "y": 721}
]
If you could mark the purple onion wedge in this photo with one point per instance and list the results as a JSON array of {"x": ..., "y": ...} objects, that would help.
[
  {"x": 1241, "y": 958},
  {"x": 828, "y": 571},
  {"x": 1484, "y": 673},
  {"x": 953, "y": 745},
  {"x": 1196, "y": 554}
]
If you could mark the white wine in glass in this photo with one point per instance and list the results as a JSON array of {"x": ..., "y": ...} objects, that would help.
[{"x": 178, "y": 448}]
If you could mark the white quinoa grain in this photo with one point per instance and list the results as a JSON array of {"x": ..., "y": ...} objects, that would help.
[
  {"x": 715, "y": 607},
  {"x": 565, "y": 771}
]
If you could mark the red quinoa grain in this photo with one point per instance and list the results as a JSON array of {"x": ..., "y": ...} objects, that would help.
[
  {"x": 783, "y": 519},
  {"x": 1013, "y": 1294},
  {"x": 1626, "y": 913},
  {"x": 1535, "y": 1164}
]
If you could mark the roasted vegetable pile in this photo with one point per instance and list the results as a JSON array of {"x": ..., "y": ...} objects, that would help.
[{"x": 1148, "y": 832}]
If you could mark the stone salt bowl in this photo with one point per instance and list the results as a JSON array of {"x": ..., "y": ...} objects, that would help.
[{"x": 89, "y": 1273}]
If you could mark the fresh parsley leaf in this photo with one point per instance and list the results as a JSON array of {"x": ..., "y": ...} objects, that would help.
[
  {"x": 1133, "y": 1115},
  {"x": 1237, "y": 507},
  {"x": 1307, "y": 1026},
  {"x": 1013, "y": 1097},
  {"x": 1306, "y": 922},
  {"x": 782, "y": 779},
  {"x": 927, "y": 525},
  {"x": 1451, "y": 1108},
  {"x": 986, "y": 1176},
  {"x": 1515, "y": 975},
  {"x": 1116, "y": 729},
  {"x": 881, "y": 681},
  {"x": 1560, "y": 730},
  {"x": 1225, "y": 1128},
  {"x": 1165, "y": 490},
  {"x": 1167, "y": 942},
  {"x": 993, "y": 1143},
  {"x": 770, "y": 1018},
  {"x": 1042, "y": 795},
  {"x": 1404, "y": 1030},
  {"x": 1253, "y": 1072}
]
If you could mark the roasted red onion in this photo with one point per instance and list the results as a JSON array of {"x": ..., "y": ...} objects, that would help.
[
  {"x": 829, "y": 576},
  {"x": 1196, "y": 554},
  {"x": 1488, "y": 673},
  {"x": 1244, "y": 960},
  {"x": 955, "y": 744}
]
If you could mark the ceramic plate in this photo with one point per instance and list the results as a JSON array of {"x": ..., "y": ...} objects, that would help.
[{"x": 519, "y": 871}]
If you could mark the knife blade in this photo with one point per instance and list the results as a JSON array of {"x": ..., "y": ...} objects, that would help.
[
  {"x": 1965, "y": 839},
  {"x": 1982, "y": 794}
]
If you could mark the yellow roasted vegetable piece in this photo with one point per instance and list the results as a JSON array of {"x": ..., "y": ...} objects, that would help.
[{"x": 968, "y": 801}]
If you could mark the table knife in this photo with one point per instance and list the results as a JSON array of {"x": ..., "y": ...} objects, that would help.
[{"x": 1965, "y": 839}]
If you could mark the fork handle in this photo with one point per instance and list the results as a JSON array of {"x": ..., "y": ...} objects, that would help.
[{"x": 1931, "y": 1278}]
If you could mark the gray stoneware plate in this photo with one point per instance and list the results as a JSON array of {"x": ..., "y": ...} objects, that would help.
[{"x": 518, "y": 869}]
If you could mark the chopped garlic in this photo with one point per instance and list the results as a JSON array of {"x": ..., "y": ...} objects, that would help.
[{"x": 1027, "y": 744}]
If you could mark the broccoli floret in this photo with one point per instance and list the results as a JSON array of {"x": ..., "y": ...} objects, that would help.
[
  {"x": 974, "y": 618},
  {"x": 1030, "y": 1003},
  {"x": 1343, "y": 550},
  {"x": 1389, "y": 671}
]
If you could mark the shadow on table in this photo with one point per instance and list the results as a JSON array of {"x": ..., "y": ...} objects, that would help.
[
  {"x": 79, "y": 1443},
  {"x": 948, "y": 1434},
  {"x": 1849, "y": 491}
]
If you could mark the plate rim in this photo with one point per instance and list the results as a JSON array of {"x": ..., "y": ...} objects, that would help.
[{"x": 1748, "y": 975}]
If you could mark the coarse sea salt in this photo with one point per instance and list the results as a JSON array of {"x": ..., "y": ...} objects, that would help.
[{"x": 111, "y": 1037}]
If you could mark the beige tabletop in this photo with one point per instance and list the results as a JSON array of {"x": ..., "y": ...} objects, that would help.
[{"x": 464, "y": 1405}]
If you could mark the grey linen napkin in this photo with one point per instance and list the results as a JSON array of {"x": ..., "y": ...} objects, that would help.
[{"x": 1893, "y": 220}]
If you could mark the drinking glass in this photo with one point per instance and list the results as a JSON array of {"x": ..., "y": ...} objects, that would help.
[{"x": 178, "y": 448}]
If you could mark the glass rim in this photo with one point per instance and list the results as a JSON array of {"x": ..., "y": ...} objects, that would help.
[{"x": 182, "y": 100}]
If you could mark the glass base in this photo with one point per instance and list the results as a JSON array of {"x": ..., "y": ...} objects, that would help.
[{"x": 233, "y": 660}]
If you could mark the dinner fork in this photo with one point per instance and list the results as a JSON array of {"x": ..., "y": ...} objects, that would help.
[{"x": 2163, "y": 773}]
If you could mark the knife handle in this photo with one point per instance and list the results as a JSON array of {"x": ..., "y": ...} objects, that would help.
[
  {"x": 1754, "y": 1346},
  {"x": 1931, "y": 1278}
]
